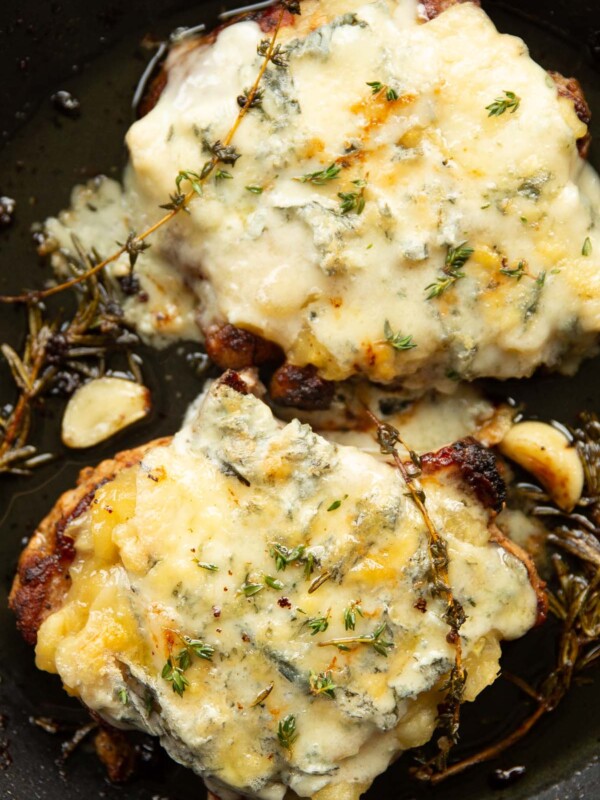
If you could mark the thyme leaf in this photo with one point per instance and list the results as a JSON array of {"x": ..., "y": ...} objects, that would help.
[
  {"x": 375, "y": 639},
  {"x": 247, "y": 99},
  {"x": 322, "y": 176},
  {"x": 274, "y": 583},
  {"x": 134, "y": 247},
  {"x": 456, "y": 258},
  {"x": 205, "y": 565},
  {"x": 377, "y": 87},
  {"x": 397, "y": 340},
  {"x": 586, "y": 250},
  {"x": 225, "y": 153},
  {"x": 174, "y": 675},
  {"x": 286, "y": 732},
  {"x": 317, "y": 624},
  {"x": 510, "y": 101},
  {"x": 279, "y": 55},
  {"x": 350, "y": 614},
  {"x": 255, "y": 189},
  {"x": 322, "y": 684},
  {"x": 352, "y": 202},
  {"x": 514, "y": 272}
]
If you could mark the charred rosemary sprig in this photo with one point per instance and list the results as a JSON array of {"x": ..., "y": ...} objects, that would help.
[
  {"x": 439, "y": 587},
  {"x": 574, "y": 598},
  {"x": 57, "y": 356}
]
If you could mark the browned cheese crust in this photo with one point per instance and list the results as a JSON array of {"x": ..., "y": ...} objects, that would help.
[{"x": 42, "y": 579}]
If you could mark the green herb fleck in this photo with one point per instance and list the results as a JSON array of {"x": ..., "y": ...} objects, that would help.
[
  {"x": 456, "y": 258},
  {"x": 286, "y": 732},
  {"x": 284, "y": 555},
  {"x": 514, "y": 272},
  {"x": 321, "y": 176},
  {"x": 377, "y": 87},
  {"x": 510, "y": 101},
  {"x": 322, "y": 684},
  {"x": 254, "y": 189},
  {"x": 374, "y": 639},
  {"x": 174, "y": 675},
  {"x": 317, "y": 624},
  {"x": 123, "y": 696},
  {"x": 250, "y": 589},
  {"x": 205, "y": 565},
  {"x": 350, "y": 614},
  {"x": 223, "y": 175},
  {"x": 192, "y": 177},
  {"x": 273, "y": 582},
  {"x": 337, "y": 503},
  {"x": 586, "y": 250},
  {"x": 397, "y": 340}
]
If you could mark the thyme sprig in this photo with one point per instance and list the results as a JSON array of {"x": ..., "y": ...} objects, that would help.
[
  {"x": 350, "y": 614},
  {"x": 322, "y": 683},
  {"x": 574, "y": 600},
  {"x": 222, "y": 150},
  {"x": 286, "y": 732},
  {"x": 456, "y": 258},
  {"x": 439, "y": 586},
  {"x": 175, "y": 666},
  {"x": 375, "y": 639},
  {"x": 322, "y": 176},
  {"x": 509, "y": 101},
  {"x": 379, "y": 88},
  {"x": 58, "y": 355},
  {"x": 398, "y": 340},
  {"x": 284, "y": 556}
]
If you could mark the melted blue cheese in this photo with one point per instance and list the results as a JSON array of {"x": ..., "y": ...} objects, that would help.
[
  {"x": 439, "y": 172},
  {"x": 170, "y": 548}
]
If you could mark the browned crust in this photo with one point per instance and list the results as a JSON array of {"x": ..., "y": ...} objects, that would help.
[
  {"x": 116, "y": 752},
  {"x": 433, "y": 8},
  {"x": 477, "y": 466},
  {"x": 301, "y": 387},
  {"x": 231, "y": 347},
  {"x": 572, "y": 90},
  {"x": 42, "y": 578}
]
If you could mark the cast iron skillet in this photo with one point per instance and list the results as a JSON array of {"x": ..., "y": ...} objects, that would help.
[{"x": 93, "y": 50}]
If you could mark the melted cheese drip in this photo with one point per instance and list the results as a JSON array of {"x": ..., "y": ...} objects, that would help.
[
  {"x": 137, "y": 586},
  {"x": 440, "y": 171}
]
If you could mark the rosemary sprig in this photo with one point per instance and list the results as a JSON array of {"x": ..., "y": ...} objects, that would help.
[
  {"x": 58, "y": 356},
  {"x": 222, "y": 151},
  {"x": 510, "y": 101}
]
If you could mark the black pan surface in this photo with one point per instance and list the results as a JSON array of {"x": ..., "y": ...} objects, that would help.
[{"x": 92, "y": 49}]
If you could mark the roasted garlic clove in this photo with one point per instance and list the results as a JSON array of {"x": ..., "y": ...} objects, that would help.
[
  {"x": 101, "y": 408},
  {"x": 548, "y": 455}
]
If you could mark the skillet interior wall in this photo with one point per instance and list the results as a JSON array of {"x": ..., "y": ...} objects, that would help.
[{"x": 91, "y": 49}]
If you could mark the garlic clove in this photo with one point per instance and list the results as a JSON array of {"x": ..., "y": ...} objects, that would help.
[
  {"x": 548, "y": 455},
  {"x": 101, "y": 408}
]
